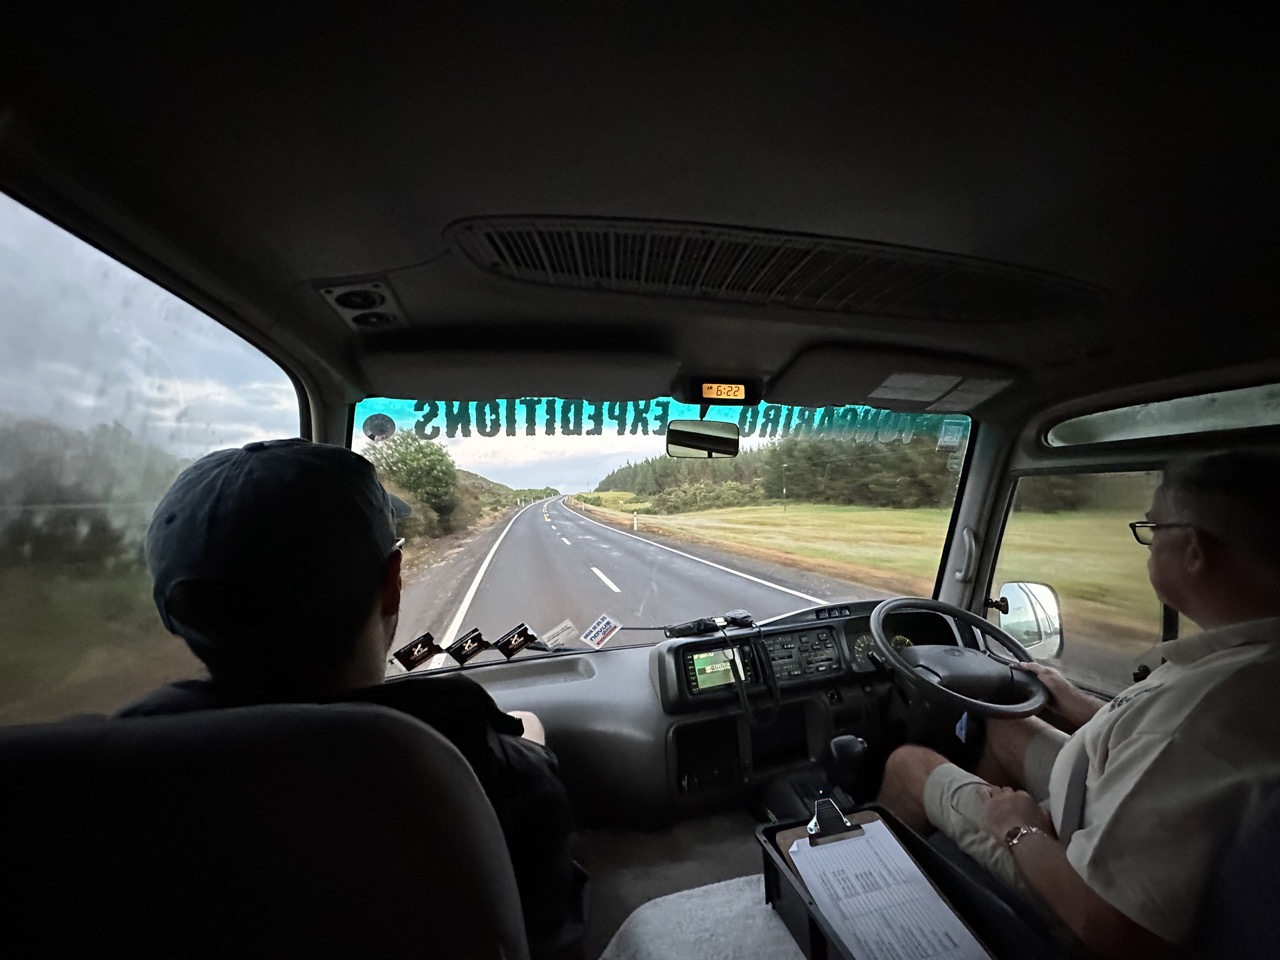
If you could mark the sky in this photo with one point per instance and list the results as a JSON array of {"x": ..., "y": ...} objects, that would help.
[{"x": 86, "y": 341}]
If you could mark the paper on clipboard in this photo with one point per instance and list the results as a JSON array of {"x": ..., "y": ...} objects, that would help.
[{"x": 878, "y": 902}]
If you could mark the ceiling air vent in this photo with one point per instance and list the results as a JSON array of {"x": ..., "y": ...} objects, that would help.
[{"x": 729, "y": 265}]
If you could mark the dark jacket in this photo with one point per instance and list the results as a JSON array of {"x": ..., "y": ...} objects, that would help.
[{"x": 519, "y": 776}]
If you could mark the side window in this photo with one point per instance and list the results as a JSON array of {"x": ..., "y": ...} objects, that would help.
[
  {"x": 109, "y": 385},
  {"x": 1074, "y": 577}
]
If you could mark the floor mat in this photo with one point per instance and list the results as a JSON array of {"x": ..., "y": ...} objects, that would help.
[
  {"x": 629, "y": 868},
  {"x": 724, "y": 921}
]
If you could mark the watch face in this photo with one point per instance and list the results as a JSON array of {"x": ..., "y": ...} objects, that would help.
[{"x": 1012, "y": 835}]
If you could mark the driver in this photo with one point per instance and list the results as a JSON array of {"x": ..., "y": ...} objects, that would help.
[
  {"x": 279, "y": 566},
  {"x": 1178, "y": 765}
]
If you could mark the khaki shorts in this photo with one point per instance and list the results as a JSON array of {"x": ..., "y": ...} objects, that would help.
[{"x": 953, "y": 801}]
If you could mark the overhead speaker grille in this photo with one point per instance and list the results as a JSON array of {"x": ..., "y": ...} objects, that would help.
[
  {"x": 365, "y": 304},
  {"x": 704, "y": 262}
]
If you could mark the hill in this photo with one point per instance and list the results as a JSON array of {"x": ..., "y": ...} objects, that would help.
[{"x": 490, "y": 493}]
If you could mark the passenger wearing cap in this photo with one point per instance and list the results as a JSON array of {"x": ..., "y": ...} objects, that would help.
[{"x": 279, "y": 565}]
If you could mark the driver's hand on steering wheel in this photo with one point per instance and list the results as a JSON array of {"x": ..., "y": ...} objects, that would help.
[
  {"x": 1059, "y": 687},
  {"x": 1065, "y": 698}
]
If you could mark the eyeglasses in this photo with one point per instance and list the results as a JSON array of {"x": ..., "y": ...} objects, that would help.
[{"x": 1144, "y": 531}]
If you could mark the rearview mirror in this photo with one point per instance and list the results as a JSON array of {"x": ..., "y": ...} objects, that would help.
[
  {"x": 1033, "y": 617},
  {"x": 702, "y": 438}
]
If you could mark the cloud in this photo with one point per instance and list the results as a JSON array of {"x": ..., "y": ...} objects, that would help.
[{"x": 86, "y": 341}]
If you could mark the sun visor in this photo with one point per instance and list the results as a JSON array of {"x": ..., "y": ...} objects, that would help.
[
  {"x": 878, "y": 378},
  {"x": 483, "y": 374}
]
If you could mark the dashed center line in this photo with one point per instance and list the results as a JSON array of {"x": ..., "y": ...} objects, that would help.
[
  {"x": 566, "y": 542},
  {"x": 689, "y": 556},
  {"x": 607, "y": 582}
]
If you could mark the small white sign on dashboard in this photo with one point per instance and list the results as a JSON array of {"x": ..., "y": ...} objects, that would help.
[
  {"x": 560, "y": 635},
  {"x": 598, "y": 633}
]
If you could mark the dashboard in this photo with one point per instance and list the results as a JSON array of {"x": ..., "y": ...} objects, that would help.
[{"x": 646, "y": 736}]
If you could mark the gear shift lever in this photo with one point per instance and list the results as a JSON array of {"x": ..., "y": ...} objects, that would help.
[{"x": 844, "y": 768}]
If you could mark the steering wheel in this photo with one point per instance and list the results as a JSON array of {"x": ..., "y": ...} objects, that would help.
[{"x": 961, "y": 677}]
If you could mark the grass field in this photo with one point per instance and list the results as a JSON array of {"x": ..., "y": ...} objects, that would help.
[
  {"x": 897, "y": 549},
  {"x": 1088, "y": 556},
  {"x": 619, "y": 500},
  {"x": 73, "y": 645}
]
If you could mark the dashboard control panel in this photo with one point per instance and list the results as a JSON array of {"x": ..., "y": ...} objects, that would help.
[
  {"x": 807, "y": 650},
  {"x": 803, "y": 653}
]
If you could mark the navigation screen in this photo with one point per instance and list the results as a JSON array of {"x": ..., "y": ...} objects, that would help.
[{"x": 712, "y": 669}]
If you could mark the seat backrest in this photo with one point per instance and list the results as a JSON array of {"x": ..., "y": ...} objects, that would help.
[
  {"x": 1239, "y": 916},
  {"x": 309, "y": 831}
]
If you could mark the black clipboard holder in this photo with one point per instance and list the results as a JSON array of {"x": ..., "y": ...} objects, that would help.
[{"x": 787, "y": 894}]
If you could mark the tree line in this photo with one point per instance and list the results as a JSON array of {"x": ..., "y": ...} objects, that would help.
[
  {"x": 78, "y": 499},
  {"x": 874, "y": 474},
  {"x": 895, "y": 474}
]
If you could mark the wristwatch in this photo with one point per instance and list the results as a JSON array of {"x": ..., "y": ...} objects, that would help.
[{"x": 1017, "y": 833}]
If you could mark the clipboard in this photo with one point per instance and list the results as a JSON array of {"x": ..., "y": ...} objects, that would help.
[{"x": 785, "y": 838}]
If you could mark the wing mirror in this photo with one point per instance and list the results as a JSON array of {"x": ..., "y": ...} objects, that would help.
[
  {"x": 1032, "y": 615},
  {"x": 702, "y": 438}
]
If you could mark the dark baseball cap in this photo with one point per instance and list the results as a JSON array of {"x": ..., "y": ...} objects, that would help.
[{"x": 259, "y": 554}]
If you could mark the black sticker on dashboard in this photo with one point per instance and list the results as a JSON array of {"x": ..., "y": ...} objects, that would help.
[
  {"x": 417, "y": 651},
  {"x": 515, "y": 640},
  {"x": 466, "y": 646}
]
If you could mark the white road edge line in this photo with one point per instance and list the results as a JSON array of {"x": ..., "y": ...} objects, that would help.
[
  {"x": 475, "y": 584},
  {"x": 607, "y": 582},
  {"x": 566, "y": 542},
  {"x": 736, "y": 573}
]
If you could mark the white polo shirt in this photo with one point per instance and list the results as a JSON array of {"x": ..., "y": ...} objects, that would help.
[{"x": 1179, "y": 765}]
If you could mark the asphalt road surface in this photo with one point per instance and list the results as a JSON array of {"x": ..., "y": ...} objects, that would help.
[{"x": 549, "y": 564}]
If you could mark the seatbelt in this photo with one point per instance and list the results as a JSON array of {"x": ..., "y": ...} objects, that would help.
[{"x": 1073, "y": 802}]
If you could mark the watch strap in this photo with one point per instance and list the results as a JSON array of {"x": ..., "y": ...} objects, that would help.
[{"x": 1015, "y": 834}]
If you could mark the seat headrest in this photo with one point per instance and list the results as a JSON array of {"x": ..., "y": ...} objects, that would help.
[
  {"x": 1238, "y": 918},
  {"x": 314, "y": 831}
]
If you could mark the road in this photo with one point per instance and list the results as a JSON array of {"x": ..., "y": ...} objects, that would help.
[{"x": 549, "y": 564}]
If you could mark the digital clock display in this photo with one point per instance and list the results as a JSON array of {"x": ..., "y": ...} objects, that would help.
[
  {"x": 712, "y": 668},
  {"x": 724, "y": 391}
]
